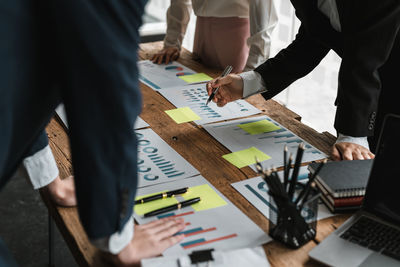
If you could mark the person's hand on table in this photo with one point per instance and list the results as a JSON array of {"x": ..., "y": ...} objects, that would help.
[
  {"x": 350, "y": 151},
  {"x": 166, "y": 55},
  {"x": 150, "y": 240},
  {"x": 230, "y": 89}
]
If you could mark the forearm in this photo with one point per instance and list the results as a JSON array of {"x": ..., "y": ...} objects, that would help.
[{"x": 178, "y": 16}]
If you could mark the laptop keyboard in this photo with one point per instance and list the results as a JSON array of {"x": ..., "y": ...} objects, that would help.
[{"x": 376, "y": 236}]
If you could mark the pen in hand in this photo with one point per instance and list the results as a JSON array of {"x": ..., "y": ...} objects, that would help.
[{"x": 225, "y": 73}]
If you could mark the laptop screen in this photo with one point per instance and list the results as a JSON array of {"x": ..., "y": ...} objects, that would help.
[{"x": 382, "y": 197}]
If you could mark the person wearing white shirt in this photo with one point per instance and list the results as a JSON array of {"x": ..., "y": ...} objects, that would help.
[{"x": 228, "y": 32}]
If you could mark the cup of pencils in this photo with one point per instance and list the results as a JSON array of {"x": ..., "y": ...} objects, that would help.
[{"x": 293, "y": 218}]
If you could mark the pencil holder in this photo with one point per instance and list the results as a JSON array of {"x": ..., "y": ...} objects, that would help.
[{"x": 291, "y": 224}]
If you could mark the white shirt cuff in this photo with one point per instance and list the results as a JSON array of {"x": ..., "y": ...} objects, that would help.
[
  {"x": 41, "y": 168},
  {"x": 117, "y": 241},
  {"x": 362, "y": 141},
  {"x": 252, "y": 83}
]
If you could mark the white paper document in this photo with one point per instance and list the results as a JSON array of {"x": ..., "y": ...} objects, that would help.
[
  {"x": 140, "y": 123},
  {"x": 162, "y": 76},
  {"x": 214, "y": 222},
  {"x": 158, "y": 162},
  {"x": 195, "y": 97},
  {"x": 255, "y": 190},
  {"x": 232, "y": 135},
  {"x": 60, "y": 111},
  {"x": 232, "y": 258}
]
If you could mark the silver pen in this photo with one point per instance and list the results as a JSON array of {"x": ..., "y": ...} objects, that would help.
[{"x": 226, "y": 72}]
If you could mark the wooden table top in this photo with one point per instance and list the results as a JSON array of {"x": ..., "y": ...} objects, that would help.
[{"x": 193, "y": 143}]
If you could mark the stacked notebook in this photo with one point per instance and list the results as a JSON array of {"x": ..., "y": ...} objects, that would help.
[{"x": 342, "y": 183}]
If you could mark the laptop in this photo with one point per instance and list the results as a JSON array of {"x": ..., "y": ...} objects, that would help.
[{"x": 371, "y": 237}]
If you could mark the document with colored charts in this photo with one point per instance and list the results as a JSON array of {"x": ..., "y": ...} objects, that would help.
[
  {"x": 140, "y": 123},
  {"x": 214, "y": 222},
  {"x": 60, "y": 111},
  {"x": 266, "y": 135},
  {"x": 195, "y": 97},
  {"x": 255, "y": 190},
  {"x": 158, "y": 162},
  {"x": 163, "y": 76}
]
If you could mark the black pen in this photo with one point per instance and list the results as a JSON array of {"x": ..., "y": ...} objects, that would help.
[
  {"x": 226, "y": 71},
  {"x": 162, "y": 195},
  {"x": 176, "y": 206},
  {"x": 304, "y": 193},
  {"x": 296, "y": 169}
]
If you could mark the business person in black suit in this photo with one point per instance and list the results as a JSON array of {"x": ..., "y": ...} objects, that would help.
[
  {"x": 365, "y": 34},
  {"x": 84, "y": 54}
]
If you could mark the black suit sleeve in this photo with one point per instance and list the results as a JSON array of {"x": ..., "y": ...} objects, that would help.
[
  {"x": 369, "y": 31},
  {"x": 291, "y": 63}
]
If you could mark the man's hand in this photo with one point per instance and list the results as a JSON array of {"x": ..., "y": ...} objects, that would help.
[
  {"x": 230, "y": 89},
  {"x": 350, "y": 151},
  {"x": 150, "y": 240},
  {"x": 63, "y": 191},
  {"x": 166, "y": 55}
]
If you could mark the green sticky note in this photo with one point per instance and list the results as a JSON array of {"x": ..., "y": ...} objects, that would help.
[
  {"x": 181, "y": 115},
  {"x": 209, "y": 198},
  {"x": 246, "y": 157},
  {"x": 258, "y": 127},
  {"x": 196, "y": 78},
  {"x": 141, "y": 209}
]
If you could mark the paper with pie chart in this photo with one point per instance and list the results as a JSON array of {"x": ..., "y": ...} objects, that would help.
[
  {"x": 214, "y": 222},
  {"x": 158, "y": 162},
  {"x": 163, "y": 76},
  {"x": 195, "y": 97}
]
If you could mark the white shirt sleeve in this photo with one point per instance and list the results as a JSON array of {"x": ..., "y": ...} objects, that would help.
[
  {"x": 41, "y": 167},
  {"x": 362, "y": 141},
  {"x": 117, "y": 241},
  {"x": 263, "y": 19},
  {"x": 178, "y": 16},
  {"x": 252, "y": 83}
]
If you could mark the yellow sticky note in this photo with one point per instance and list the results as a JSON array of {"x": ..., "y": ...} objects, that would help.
[
  {"x": 258, "y": 127},
  {"x": 181, "y": 115},
  {"x": 209, "y": 198},
  {"x": 196, "y": 78},
  {"x": 141, "y": 209},
  {"x": 246, "y": 157}
]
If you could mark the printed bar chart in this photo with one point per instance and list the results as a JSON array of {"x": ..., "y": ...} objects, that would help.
[
  {"x": 195, "y": 97},
  {"x": 158, "y": 162},
  {"x": 272, "y": 142}
]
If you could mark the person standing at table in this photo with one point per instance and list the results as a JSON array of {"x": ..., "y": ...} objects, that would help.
[
  {"x": 366, "y": 36},
  {"x": 84, "y": 54},
  {"x": 228, "y": 32}
]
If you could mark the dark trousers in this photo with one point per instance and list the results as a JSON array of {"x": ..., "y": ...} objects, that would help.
[{"x": 83, "y": 53}]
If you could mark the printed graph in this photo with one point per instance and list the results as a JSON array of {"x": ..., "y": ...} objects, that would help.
[
  {"x": 236, "y": 136},
  {"x": 162, "y": 76},
  {"x": 214, "y": 223},
  {"x": 195, "y": 97},
  {"x": 255, "y": 191},
  {"x": 158, "y": 162}
]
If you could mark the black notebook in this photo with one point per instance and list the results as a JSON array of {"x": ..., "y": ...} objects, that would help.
[{"x": 346, "y": 178}]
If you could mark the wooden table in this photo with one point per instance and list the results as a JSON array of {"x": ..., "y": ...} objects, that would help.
[{"x": 204, "y": 153}]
